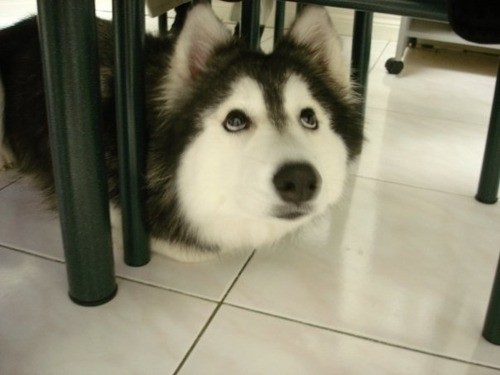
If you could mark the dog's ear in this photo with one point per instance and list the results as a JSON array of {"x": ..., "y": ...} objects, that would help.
[
  {"x": 202, "y": 33},
  {"x": 313, "y": 30}
]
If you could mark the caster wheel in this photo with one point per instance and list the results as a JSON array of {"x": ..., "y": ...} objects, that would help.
[
  {"x": 394, "y": 66},
  {"x": 412, "y": 42}
]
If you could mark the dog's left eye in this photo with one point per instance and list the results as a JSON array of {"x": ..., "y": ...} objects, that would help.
[
  {"x": 236, "y": 121},
  {"x": 308, "y": 119}
]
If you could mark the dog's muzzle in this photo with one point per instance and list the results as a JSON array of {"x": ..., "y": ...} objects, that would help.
[{"x": 296, "y": 183}]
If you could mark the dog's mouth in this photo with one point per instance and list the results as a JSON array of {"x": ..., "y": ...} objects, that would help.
[{"x": 292, "y": 212}]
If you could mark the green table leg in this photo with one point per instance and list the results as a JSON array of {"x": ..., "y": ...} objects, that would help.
[
  {"x": 360, "y": 57},
  {"x": 300, "y": 6},
  {"x": 163, "y": 23},
  {"x": 250, "y": 17},
  {"x": 490, "y": 172},
  {"x": 70, "y": 65},
  {"x": 279, "y": 20},
  {"x": 128, "y": 18},
  {"x": 491, "y": 331}
]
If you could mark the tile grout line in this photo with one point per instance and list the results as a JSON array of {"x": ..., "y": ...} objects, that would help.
[
  {"x": 426, "y": 117},
  {"x": 212, "y": 316},
  {"x": 370, "y": 70},
  {"x": 412, "y": 186},
  {"x": 121, "y": 277},
  {"x": 361, "y": 337},
  {"x": 10, "y": 183},
  {"x": 32, "y": 253},
  {"x": 167, "y": 289}
]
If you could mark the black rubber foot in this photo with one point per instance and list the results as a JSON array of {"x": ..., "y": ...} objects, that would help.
[
  {"x": 394, "y": 66},
  {"x": 94, "y": 303},
  {"x": 486, "y": 201},
  {"x": 495, "y": 340},
  {"x": 137, "y": 263}
]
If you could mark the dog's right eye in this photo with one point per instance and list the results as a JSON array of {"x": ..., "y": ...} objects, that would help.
[
  {"x": 236, "y": 121},
  {"x": 308, "y": 119}
]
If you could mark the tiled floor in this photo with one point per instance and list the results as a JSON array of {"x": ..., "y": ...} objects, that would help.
[{"x": 394, "y": 281}]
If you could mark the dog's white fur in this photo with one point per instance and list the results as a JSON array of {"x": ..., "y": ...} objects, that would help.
[
  {"x": 314, "y": 28},
  {"x": 225, "y": 180},
  {"x": 201, "y": 34}
]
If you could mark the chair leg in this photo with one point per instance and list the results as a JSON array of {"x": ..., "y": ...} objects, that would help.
[
  {"x": 163, "y": 24},
  {"x": 250, "y": 26},
  {"x": 490, "y": 172},
  {"x": 74, "y": 117},
  {"x": 491, "y": 330},
  {"x": 360, "y": 57},
  {"x": 128, "y": 18},
  {"x": 300, "y": 6},
  {"x": 279, "y": 20}
]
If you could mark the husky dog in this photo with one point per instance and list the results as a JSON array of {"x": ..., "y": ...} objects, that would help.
[{"x": 242, "y": 147}]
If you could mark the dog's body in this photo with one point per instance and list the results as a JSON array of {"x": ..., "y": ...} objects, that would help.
[{"x": 242, "y": 147}]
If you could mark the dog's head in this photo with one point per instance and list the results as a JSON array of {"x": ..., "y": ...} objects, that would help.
[{"x": 264, "y": 140}]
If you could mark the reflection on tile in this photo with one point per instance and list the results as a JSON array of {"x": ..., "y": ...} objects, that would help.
[
  {"x": 143, "y": 330},
  {"x": 241, "y": 342},
  {"x": 436, "y": 83},
  {"x": 424, "y": 152},
  {"x": 398, "y": 264}
]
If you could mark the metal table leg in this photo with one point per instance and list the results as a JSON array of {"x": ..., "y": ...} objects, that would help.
[
  {"x": 491, "y": 331},
  {"x": 279, "y": 20},
  {"x": 360, "y": 57},
  {"x": 128, "y": 18},
  {"x": 490, "y": 172},
  {"x": 70, "y": 64},
  {"x": 250, "y": 22},
  {"x": 163, "y": 24}
]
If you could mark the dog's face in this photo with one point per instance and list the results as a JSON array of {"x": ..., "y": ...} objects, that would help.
[{"x": 272, "y": 133}]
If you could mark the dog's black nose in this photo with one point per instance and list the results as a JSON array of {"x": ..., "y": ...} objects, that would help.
[{"x": 297, "y": 182}]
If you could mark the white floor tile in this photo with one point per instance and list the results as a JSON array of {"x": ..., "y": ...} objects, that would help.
[
  {"x": 242, "y": 342},
  {"x": 436, "y": 83},
  {"x": 424, "y": 152},
  {"x": 397, "y": 264},
  {"x": 25, "y": 224},
  {"x": 143, "y": 330}
]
